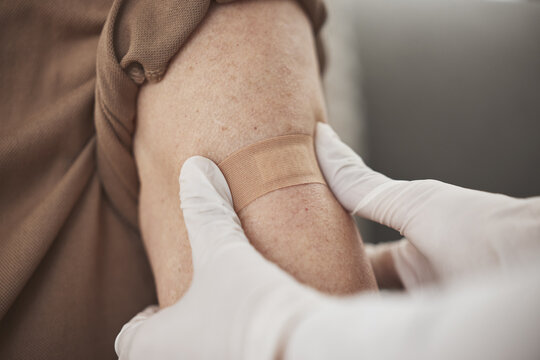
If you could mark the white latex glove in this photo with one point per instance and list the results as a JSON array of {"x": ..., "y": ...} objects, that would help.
[
  {"x": 485, "y": 318},
  {"x": 451, "y": 231},
  {"x": 239, "y": 305}
]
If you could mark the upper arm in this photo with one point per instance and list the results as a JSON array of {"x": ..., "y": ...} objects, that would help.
[{"x": 248, "y": 73}]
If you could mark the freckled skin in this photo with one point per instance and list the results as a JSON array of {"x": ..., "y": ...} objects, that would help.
[
  {"x": 320, "y": 244},
  {"x": 228, "y": 88}
]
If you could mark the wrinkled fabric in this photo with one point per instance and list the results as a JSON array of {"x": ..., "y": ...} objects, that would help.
[
  {"x": 72, "y": 264},
  {"x": 143, "y": 51}
]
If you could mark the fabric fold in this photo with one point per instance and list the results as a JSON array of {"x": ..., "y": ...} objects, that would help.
[{"x": 138, "y": 41}]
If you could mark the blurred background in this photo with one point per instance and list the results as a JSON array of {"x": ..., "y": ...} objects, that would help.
[{"x": 441, "y": 89}]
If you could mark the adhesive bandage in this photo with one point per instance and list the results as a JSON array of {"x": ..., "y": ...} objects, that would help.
[{"x": 268, "y": 165}]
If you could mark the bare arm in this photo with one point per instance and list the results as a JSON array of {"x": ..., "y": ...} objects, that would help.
[{"x": 247, "y": 74}]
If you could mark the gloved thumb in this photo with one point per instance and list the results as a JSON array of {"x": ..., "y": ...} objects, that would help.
[
  {"x": 361, "y": 190},
  {"x": 350, "y": 179},
  {"x": 209, "y": 216}
]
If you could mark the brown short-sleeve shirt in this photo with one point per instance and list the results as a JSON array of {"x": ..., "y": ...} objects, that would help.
[{"x": 72, "y": 265}]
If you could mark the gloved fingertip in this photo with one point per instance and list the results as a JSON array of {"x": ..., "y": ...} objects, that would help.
[
  {"x": 194, "y": 165},
  {"x": 207, "y": 209},
  {"x": 201, "y": 177},
  {"x": 329, "y": 146},
  {"x": 325, "y": 133}
]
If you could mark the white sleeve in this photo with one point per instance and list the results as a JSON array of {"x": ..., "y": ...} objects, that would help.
[{"x": 483, "y": 319}]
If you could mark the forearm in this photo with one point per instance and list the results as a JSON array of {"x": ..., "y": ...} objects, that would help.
[{"x": 248, "y": 74}]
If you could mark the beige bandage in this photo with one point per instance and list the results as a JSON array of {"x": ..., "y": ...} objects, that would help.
[{"x": 269, "y": 165}]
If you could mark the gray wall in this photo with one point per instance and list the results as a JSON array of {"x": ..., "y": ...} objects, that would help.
[{"x": 448, "y": 90}]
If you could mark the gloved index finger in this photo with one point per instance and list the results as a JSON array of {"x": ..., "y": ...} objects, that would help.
[{"x": 206, "y": 202}]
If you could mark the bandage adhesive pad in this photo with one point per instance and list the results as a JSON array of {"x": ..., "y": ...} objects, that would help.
[{"x": 268, "y": 165}]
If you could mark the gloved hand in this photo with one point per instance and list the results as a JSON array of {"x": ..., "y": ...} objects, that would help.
[
  {"x": 450, "y": 231},
  {"x": 239, "y": 305}
]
